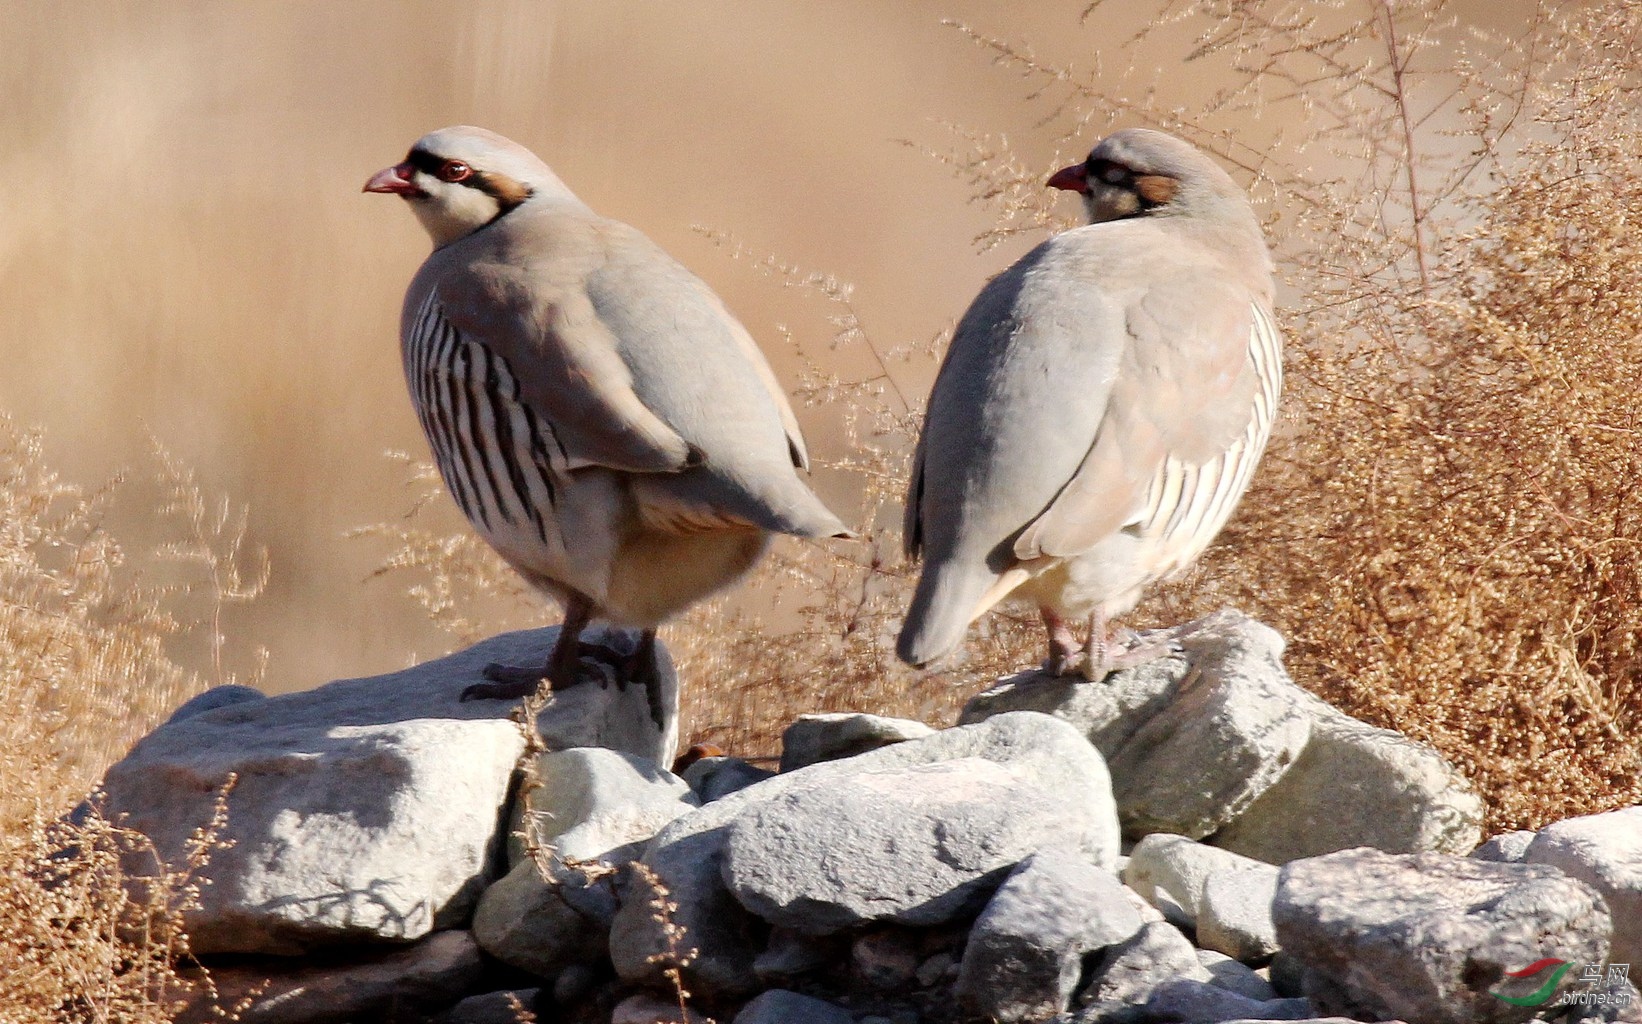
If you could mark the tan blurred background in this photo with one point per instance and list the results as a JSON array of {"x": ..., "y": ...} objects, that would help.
[{"x": 185, "y": 252}]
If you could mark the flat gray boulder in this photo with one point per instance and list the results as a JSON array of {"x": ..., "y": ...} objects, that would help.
[
  {"x": 914, "y": 845},
  {"x": 1428, "y": 937},
  {"x": 1192, "y": 739},
  {"x": 363, "y": 810},
  {"x": 1031, "y": 756},
  {"x": 1605, "y": 852}
]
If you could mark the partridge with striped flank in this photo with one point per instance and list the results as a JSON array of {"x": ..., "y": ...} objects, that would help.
[
  {"x": 605, "y": 424},
  {"x": 1101, "y": 408}
]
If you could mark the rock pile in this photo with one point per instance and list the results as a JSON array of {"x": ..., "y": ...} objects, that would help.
[{"x": 1284, "y": 862}]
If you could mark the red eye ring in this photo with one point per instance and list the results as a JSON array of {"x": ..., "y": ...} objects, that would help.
[{"x": 453, "y": 171}]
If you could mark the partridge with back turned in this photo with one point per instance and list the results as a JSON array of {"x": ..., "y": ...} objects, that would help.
[{"x": 1101, "y": 408}]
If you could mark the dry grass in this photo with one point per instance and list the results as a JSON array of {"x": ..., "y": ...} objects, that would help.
[{"x": 85, "y": 670}]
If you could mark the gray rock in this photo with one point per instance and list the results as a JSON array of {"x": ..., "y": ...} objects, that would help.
[
  {"x": 686, "y": 858},
  {"x": 1236, "y": 976},
  {"x": 1191, "y": 739},
  {"x": 574, "y": 983},
  {"x": 791, "y": 954},
  {"x": 916, "y": 845},
  {"x": 1286, "y": 974},
  {"x": 779, "y": 1006},
  {"x": 714, "y": 778},
  {"x": 648, "y": 1009},
  {"x": 1234, "y": 913},
  {"x": 1429, "y": 937},
  {"x": 937, "y": 969},
  {"x": 1355, "y": 785},
  {"x": 214, "y": 698},
  {"x": 816, "y": 738},
  {"x": 328, "y": 988},
  {"x": 1170, "y": 871},
  {"x": 886, "y": 958},
  {"x": 491, "y": 1007},
  {"x": 596, "y": 804},
  {"x": 1194, "y": 1002},
  {"x": 544, "y": 925},
  {"x": 1025, "y": 953},
  {"x": 1605, "y": 852},
  {"x": 1505, "y": 848},
  {"x": 1127, "y": 974},
  {"x": 367, "y": 809}
]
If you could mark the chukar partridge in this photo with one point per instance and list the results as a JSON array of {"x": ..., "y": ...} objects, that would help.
[
  {"x": 606, "y": 425},
  {"x": 1101, "y": 408}
]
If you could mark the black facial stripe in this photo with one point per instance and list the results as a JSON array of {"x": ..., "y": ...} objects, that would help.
[
  {"x": 425, "y": 162},
  {"x": 507, "y": 192}
]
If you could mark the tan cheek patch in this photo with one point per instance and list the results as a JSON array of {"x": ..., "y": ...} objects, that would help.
[
  {"x": 1156, "y": 188},
  {"x": 508, "y": 193}
]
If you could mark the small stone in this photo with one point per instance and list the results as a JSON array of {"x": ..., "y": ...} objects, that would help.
[
  {"x": 885, "y": 959},
  {"x": 1236, "y": 976},
  {"x": 791, "y": 954},
  {"x": 1025, "y": 953},
  {"x": 648, "y": 1009},
  {"x": 1169, "y": 871},
  {"x": 936, "y": 969},
  {"x": 1129, "y": 972},
  {"x": 1605, "y": 852},
  {"x": 1234, "y": 913},
  {"x": 596, "y": 804},
  {"x": 574, "y": 983},
  {"x": 1194, "y": 1002},
  {"x": 714, "y": 778},
  {"x": 491, "y": 1007},
  {"x": 829, "y": 737},
  {"x": 1505, "y": 848},
  {"x": 214, "y": 698},
  {"x": 543, "y": 925},
  {"x": 779, "y": 1006},
  {"x": 1287, "y": 974}
]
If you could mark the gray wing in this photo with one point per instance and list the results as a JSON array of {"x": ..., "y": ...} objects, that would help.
[
  {"x": 544, "y": 327},
  {"x": 1183, "y": 395}
]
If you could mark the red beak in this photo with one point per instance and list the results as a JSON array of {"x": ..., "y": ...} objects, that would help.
[
  {"x": 395, "y": 180},
  {"x": 1073, "y": 179}
]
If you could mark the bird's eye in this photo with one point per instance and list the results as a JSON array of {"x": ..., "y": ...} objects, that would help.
[
  {"x": 454, "y": 170},
  {"x": 1113, "y": 174}
]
